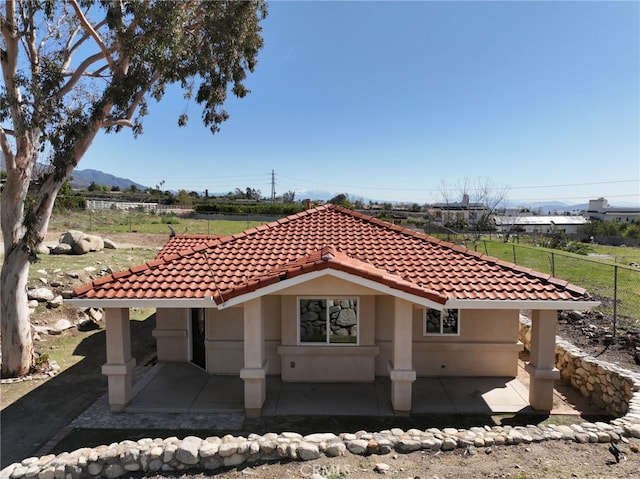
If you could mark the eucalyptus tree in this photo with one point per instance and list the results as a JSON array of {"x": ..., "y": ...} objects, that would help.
[{"x": 73, "y": 68}]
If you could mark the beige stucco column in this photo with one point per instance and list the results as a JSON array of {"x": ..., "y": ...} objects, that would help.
[
  {"x": 401, "y": 370},
  {"x": 255, "y": 367},
  {"x": 541, "y": 367},
  {"x": 119, "y": 361}
]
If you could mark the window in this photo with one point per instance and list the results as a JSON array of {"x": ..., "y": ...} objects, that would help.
[
  {"x": 328, "y": 320},
  {"x": 442, "y": 322}
]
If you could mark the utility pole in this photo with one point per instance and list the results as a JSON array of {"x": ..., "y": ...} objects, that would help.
[{"x": 273, "y": 186}]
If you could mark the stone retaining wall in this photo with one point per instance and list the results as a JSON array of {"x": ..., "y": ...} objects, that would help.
[
  {"x": 168, "y": 455},
  {"x": 614, "y": 389}
]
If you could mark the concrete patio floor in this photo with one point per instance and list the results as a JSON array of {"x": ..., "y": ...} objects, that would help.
[{"x": 185, "y": 388}]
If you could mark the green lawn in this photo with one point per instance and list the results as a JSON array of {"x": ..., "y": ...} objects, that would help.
[{"x": 596, "y": 274}]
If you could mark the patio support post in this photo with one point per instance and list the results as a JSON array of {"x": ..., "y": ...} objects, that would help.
[
  {"x": 541, "y": 367},
  {"x": 119, "y": 361},
  {"x": 255, "y": 367},
  {"x": 401, "y": 370}
]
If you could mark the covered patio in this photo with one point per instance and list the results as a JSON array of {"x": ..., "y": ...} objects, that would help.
[{"x": 202, "y": 393}]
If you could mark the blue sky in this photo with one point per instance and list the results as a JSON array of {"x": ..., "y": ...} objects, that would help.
[{"x": 387, "y": 100}]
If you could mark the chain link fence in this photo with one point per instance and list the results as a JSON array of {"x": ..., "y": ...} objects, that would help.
[{"x": 616, "y": 286}]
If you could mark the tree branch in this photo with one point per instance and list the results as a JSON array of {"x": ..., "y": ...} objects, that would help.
[
  {"x": 72, "y": 49},
  {"x": 94, "y": 34},
  {"x": 143, "y": 91},
  {"x": 6, "y": 149},
  {"x": 119, "y": 122},
  {"x": 79, "y": 72},
  {"x": 9, "y": 63}
]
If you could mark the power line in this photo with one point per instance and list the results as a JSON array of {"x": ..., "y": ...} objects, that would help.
[{"x": 435, "y": 190}]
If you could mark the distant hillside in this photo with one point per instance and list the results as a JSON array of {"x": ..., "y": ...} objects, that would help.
[{"x": 83, "y": 178}]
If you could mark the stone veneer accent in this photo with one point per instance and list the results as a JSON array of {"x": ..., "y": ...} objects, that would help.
[{"x": 614, "y": 388}]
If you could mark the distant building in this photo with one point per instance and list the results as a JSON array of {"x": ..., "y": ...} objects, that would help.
[
  {"x": 600, "y": 210},
  {"x": 539, "y": 224},
  {"x": 450, "y": 212}
]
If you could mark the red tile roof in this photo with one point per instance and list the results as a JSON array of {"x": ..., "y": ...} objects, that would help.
[
  {"x": 328, "y": 237},
  {"x": 180, "y": 243}
]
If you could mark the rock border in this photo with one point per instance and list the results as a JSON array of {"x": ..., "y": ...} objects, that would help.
[{"x": 172, "y": 454}]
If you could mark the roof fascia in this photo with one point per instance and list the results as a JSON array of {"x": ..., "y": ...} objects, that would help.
[
  {"x": 517, "y": 304},
  {"x": 352, "y": 278},
  {"x": 206, "y": 302}
]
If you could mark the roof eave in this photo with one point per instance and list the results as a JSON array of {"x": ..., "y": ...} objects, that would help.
[
  {"x": 206, "y": 302},
  {"x": 577, "y": 305}
]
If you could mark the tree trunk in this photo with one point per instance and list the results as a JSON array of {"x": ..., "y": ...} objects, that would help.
[{"x": 17, "y": 345}]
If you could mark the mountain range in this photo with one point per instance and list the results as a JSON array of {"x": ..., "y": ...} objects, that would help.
[{"x": 81, "y": 179}]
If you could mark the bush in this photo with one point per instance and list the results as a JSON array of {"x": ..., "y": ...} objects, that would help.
[
  {"x": 170, "y": 220},
  {"x": 70, "y": 202},
  {"x": 576, "y": 247}
]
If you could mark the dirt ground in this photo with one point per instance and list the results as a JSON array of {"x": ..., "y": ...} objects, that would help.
[
  {"x": 31, "y": 421},
  {"x": 553, "y": 460}
]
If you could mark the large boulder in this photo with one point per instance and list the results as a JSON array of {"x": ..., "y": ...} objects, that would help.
[
  {"x": 61, "y": 248},
  {"x": 82, "y": 243}
]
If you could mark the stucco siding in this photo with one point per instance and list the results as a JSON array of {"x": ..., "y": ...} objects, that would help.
[
  {"x": 486, "y": 346},
  {"x": 172, "y": 334},
  {"x": 225, "y": 340}
]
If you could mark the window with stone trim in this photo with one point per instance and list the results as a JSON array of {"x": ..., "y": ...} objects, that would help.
[
  {"x": 440, "y": 323},
  {"x": 328, "y": 321}
]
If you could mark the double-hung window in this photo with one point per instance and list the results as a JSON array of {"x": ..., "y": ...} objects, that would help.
[
  {"x": 328, "y": 320},
  {"x": 441, "y": 323}
]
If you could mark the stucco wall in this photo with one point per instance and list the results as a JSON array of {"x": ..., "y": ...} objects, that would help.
[
  {"x": 487, "y": 345},
  {"x": 172, "y": 335},
  {"x": 225, "y": 340}
]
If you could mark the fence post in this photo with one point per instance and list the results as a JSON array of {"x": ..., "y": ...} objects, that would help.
[
  {"x": 485, "y": 248},
  {"x": 553, "y": 264},
  {"x": 515, "y": 261},
  {"x": 615, "y": 298}
]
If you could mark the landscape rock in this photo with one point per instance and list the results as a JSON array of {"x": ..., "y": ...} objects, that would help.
[
  {"x": 187, "y": 452},
  {"x": 82, "y": 243},
  {"x": 61, "y": 248},
  {"x": 62, "y": 325},
  {"x": 87, "y": 325},
  {"x": 56, "y": 302},
  {"x": 40, "y": 294},
  {"x": 109, "y": 244},
  {"x": 381, "y": 468},
  {"x": 308, "y": 451},
  {"x": 42, "y": 249}
]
